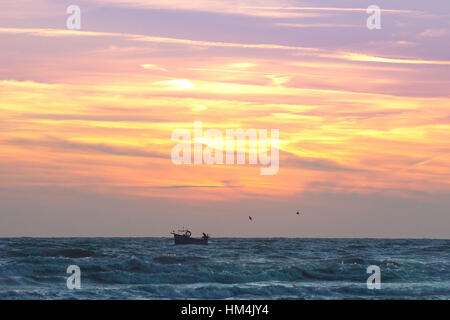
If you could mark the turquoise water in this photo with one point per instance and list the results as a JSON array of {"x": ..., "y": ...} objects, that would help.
[{"x": 153, "y": 268}]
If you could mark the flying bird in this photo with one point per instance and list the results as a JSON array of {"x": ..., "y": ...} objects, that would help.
[
  {"x": 298, "y": 213},
  {"x": 250, "y": 218}
]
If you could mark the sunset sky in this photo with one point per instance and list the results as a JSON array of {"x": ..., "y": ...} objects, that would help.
[{"x": 87, "y": 116}]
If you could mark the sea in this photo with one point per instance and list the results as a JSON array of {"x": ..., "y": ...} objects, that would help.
[{"x": 227, "y": 268}]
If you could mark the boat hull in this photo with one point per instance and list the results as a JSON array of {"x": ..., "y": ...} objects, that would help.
[{"x": 180, "y": 239}]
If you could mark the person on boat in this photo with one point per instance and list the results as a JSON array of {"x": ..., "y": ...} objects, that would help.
[
  {"x": 187, "y": 234},
  {"x": 205, "y": 236}
]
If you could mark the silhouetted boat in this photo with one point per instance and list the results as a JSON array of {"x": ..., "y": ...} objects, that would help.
[{"x": 185, "y": 238}]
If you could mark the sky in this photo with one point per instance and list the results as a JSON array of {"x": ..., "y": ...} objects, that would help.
[{"x": 86, "y": 117}]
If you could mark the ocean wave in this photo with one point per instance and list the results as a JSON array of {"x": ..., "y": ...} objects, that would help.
[{"x": 225, "y": 269}]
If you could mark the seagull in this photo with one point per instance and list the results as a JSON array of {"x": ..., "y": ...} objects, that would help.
[{"x": 250, "y": 218}]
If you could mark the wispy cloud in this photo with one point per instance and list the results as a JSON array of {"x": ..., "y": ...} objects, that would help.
[
  {"x": 316, "y": 164},
  {"x": 152, "y": 67},
  {"x": 268, "y": 8},
  {"x": 434, "y": 33},
  {"x": 175, "y": 84},
  {"x": 331, "y": 9},
  {"x": 75, "y": 146},
  {"x": 369, "y": 58},
  {"x": 241, "y": 65},
  {"x": 271, "y": 8},
  {"x": 317, "y": 25},
  {"x": 145, "y": 38}
]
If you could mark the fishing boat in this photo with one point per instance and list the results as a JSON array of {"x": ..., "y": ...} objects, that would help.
[{"x": 184, "y": 237}]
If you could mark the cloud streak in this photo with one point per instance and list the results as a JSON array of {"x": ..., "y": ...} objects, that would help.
[{"x": 74, "y": 146}]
